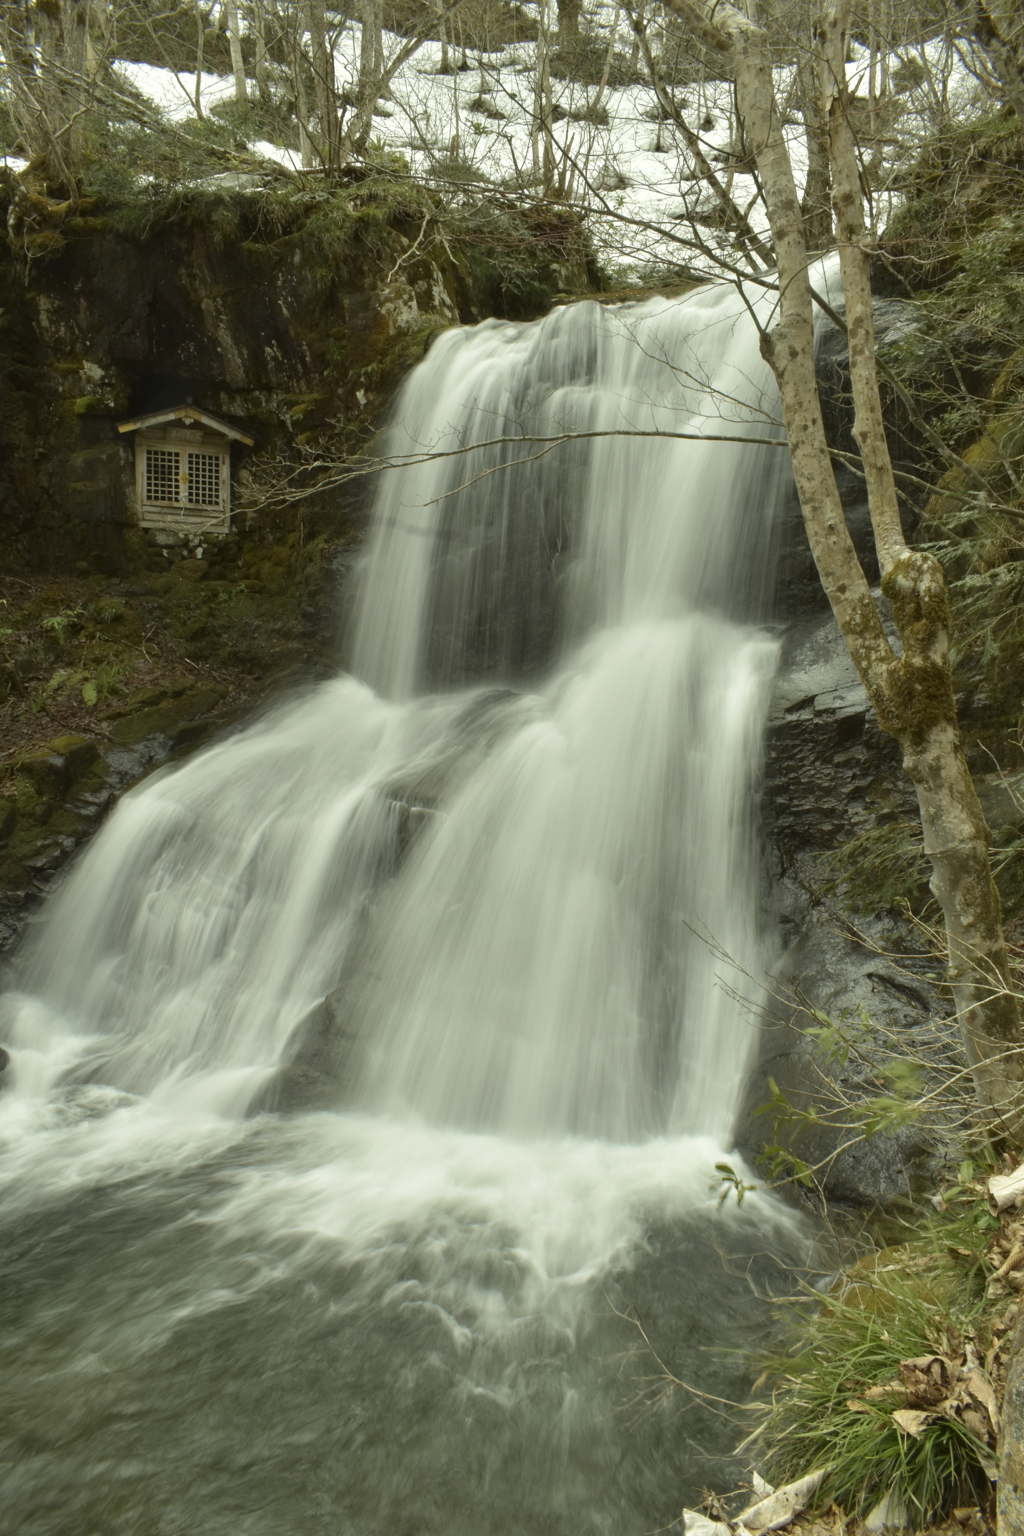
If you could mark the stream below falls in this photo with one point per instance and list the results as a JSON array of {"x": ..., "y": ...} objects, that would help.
[{"x": 369, "y": 1072}]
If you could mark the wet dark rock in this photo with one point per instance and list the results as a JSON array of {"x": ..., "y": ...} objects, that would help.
[
  {"x": 829, "y": 769},
  {"x": 49, "y": 855},
  {"x": 831, "y": 773},
  {"x": 75, "y": 781},
  {"x": 315, "y": 1064},
  {"x": 884, "y": 1002},
  {"x": 5, "y": 1060}
]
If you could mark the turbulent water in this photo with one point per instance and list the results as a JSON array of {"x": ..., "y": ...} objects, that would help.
[{"x": 372, "y": 1066}]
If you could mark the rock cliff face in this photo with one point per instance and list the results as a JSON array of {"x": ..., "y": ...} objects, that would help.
[
  {"x": 275, "y": 329},
  {"x": 831, "y": 776}
]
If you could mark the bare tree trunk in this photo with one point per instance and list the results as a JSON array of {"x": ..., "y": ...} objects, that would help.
[
  {"x": 367, "y": 43},
  {"x": 293, "y": 40},
  {"x": 322, "y": 59},
  {"x": 747, "y": 238},
  {"x": 915, "y": 701},
  {"x": 546, "y": 104},
  {"x": 356, "y": 135},
  {"x": 568, "y": 22},
  {"x": 543, "y": 165},
  {"x": 197, "y": 100},
  {"x": 259, "y": 68},
  {"x": 999, "y": 31},
  {"x": 602, "y": 85},
  {"x": 235, "y": 47},
  {"x": 45, "y": 49},
  {"x": 815, "y": 205},
  {"x": 912, "y": 694}
]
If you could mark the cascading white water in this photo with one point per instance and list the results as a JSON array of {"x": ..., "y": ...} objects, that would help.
[
  {"x": 548, "y": 959},
  {"x": 513, "y": 852}
]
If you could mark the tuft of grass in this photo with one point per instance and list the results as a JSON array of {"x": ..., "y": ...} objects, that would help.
[
  {"x": 892, "y": 1382},
  {"x": 881, "y": 867}
]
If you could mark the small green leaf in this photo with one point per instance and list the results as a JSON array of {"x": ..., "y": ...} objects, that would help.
[{"x": 89, "y": 693}]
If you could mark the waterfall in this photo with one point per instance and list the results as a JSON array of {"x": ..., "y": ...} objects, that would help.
[
  {"x": 562, "y": 947},
  {"x": 501, "y": 878}
]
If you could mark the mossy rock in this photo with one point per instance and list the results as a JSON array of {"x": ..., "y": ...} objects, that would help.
[
  {"x": 45, "y": 770},
  {"x": 189, "y": 571},
  {"x": 13, "y": 874},
  {"x": 165, "y": 718},
  {"x": 79, "y": 753},
  {"x": 142, "y": 698},
  {"x": 110, "y": 616}
]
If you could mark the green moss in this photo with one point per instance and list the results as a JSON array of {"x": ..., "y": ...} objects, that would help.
[
  {"x": 168, "y": 716},
  {"x": 33, "y": 807},
  {"x": 918, "y": 689},
  {"x": 79, "y": 753},
  {"x": 401, "y": 353}
]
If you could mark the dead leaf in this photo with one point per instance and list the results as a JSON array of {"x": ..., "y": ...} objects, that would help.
[
  {"x": 886, "y": 1389},
  {"x": 976, "y": 1423},
  {"x": 1004, "y": 1190},
  {"x": 912, "y": 1421},
  {"x": 981, "y": 1390},
  {"x": 1014, "y": 1259},
  {"x": 926, "y": 1380}
]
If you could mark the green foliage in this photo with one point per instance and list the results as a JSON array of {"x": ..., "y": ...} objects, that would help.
[
  {"x": 883, "y": 866},
  {"x": 130, "y": 160},
  {"x": 61, "y": 624},
  {"x": 868, "y": 1085},
  {"x": 329, "y": 229},
  {"x": 107, "y": 610},
  {"x": 730, "y": 1182},
  {"x": 963, "y": 333}
]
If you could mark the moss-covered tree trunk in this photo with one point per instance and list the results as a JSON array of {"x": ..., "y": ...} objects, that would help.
[{"x": 912, "y": 692}]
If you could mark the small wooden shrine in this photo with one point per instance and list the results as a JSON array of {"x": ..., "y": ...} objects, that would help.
[{"x": 183, "y": 469}]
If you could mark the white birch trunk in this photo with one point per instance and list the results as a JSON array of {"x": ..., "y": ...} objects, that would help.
[{"x": 235, "y": 49}]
